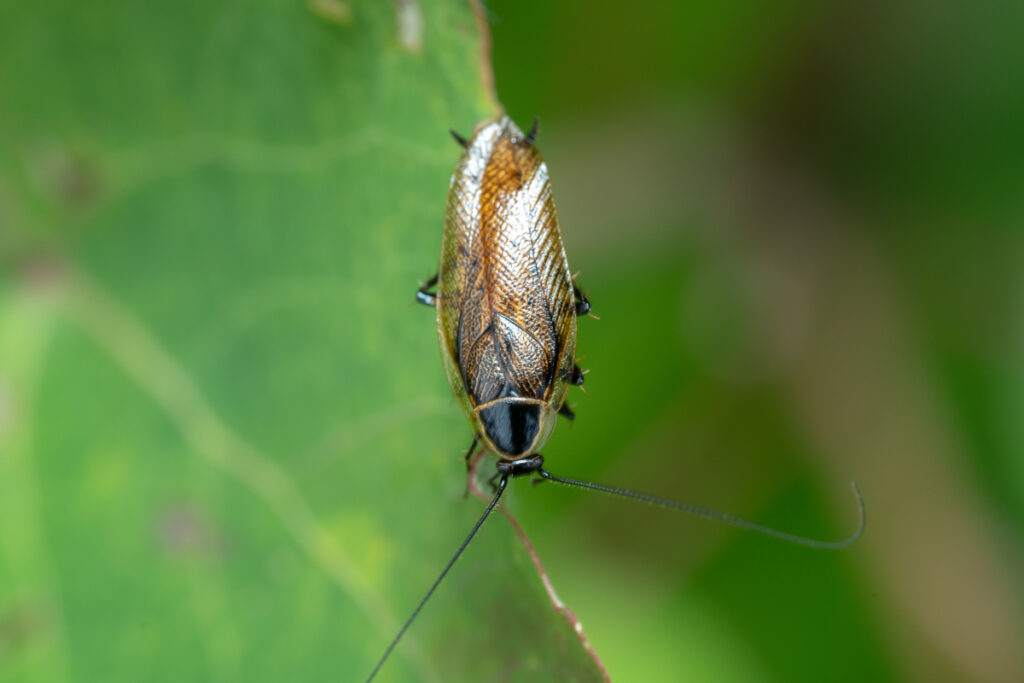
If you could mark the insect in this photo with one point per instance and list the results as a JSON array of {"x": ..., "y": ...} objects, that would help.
[
  {"x": 506, "y": 303},
  {"x": 506, "y": 309}
]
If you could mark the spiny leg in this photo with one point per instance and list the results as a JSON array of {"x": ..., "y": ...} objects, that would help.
[
  {"x": 577, "y": 379},
  {"x": 459, "y": 139},
  {"x": 425, "y": 297},
  {"x": 469, "y": 463},
  {"x": 470, "y": 452},
  {"x": 577, "y": 375},
  {"x": 532, "y": 135},
  {"x": 582, "y": 302}
]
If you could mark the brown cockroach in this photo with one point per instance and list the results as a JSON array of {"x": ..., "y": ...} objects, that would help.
[{"x": 506, "y": 320}]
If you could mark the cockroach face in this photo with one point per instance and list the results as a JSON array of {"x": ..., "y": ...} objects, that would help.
[{"x": 515, "y": 427}]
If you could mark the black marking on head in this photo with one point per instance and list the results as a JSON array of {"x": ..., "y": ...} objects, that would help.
[
  {"x": 511, "y": 426},
  {"x": 521, "y": 466}
]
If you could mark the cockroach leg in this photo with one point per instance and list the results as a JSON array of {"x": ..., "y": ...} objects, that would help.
[
  {"x": 532, "y": 135},
  {"x": 459, "y": 139},
  {"x": 565, "y": 412},
  {"x": 469, "y": 453},
  {"x": 469, "y": 463},
  {"x": 582, "y": 303},
  {"x": 425, "y": 297},
  {"x": 578, "y": 375},
  {"x": 472, "y": 447}
]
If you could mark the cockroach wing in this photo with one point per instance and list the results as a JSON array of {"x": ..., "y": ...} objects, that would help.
[{"x": 506, "y": 314}]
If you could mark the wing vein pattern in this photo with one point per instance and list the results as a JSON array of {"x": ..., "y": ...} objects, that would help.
[{"x": 508, "y": 316}]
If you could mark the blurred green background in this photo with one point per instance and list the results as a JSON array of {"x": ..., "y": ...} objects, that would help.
[
  {"x": 801, "y": 225},
  {"x": 227, "y": 449}
]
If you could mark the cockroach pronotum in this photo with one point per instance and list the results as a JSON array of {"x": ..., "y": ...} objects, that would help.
[{"x": 506, "y": 318}]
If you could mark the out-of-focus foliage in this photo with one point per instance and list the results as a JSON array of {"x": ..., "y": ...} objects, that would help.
[
  {"x": 227, "y": 448},
  {"x": 800, "y": 224}
]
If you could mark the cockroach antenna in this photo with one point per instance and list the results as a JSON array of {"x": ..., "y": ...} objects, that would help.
[
  {"x": 719, "y": 516},
  {"x": 444, "y": 572}
]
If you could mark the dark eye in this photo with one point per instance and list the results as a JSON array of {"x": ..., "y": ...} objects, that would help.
[{"x": 511, "y": 426}]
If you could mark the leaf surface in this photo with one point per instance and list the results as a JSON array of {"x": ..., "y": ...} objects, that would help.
[{"x": 227, "y": 448}]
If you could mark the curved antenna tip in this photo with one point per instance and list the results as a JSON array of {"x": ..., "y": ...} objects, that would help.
[{"x": 862, "y": 519}]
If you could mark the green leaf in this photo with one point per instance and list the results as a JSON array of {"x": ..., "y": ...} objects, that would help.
[{"x": 227, "y": 447}]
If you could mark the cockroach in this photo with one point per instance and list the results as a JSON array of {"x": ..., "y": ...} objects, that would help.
[{"x": 506, "y": 310}]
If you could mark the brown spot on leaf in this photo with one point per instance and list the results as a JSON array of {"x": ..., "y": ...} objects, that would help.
[
  {"x": 334, "y": 11},
  {"x": 185, "y": 531},
  {"x": 17, "y": 627},
  {"x": 67, "y": 176},
  {"x": 42, "y": 272}
]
